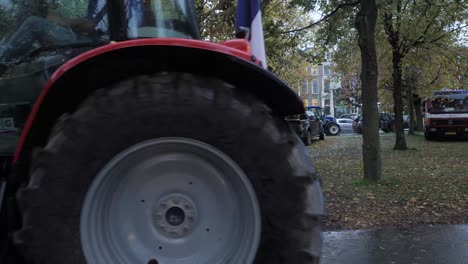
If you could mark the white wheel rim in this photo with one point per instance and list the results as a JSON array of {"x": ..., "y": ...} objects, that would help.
[
  {"x": 170, "y": 200},
  {"x": 333, "y": 129}
]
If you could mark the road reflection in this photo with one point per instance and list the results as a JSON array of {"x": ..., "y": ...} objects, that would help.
[{"x": 439, "y": 244}]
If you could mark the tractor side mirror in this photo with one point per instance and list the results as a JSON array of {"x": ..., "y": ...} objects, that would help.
[{"x": 243, "y": 33}]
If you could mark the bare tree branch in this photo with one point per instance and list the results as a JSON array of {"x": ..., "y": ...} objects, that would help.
[
  {"x": 406, "y": 4},
  {"x": 421, "y": 40},
  {"x": 436, "y": 77},
  {"x": 338, "y": 7}
]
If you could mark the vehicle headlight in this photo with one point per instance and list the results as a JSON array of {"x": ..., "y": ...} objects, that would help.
[{"x": 433, "y": 129}]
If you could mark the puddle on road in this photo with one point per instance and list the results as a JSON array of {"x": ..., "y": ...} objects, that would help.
[{"x": 438, "y": 244}]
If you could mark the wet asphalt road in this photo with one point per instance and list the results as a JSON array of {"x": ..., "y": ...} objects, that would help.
[{"x": 421, "y": 245}]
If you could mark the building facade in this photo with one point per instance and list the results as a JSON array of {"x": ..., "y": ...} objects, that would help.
[{"x": 320, "y": 87}]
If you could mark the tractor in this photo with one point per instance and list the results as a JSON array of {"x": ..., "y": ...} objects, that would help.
[
  {"x": 126, "y": 138},
  {"x": 330, "y": 125}
]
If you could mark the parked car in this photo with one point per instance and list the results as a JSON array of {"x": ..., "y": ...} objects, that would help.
[
  {"x": 356, "y": 122},
  {"x": 406, "y": 122},
  {"x": 346, "y": 125},
  {"x": 330, "y": 126},
  {"x": 307, "y": 126},
  {"x": 359, "y": 124},
  {"x": 348, "y": 116},
  {"x": 386, "y": 123}
]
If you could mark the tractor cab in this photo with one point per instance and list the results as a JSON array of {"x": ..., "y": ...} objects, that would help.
[{"x": 38, "y": 36}]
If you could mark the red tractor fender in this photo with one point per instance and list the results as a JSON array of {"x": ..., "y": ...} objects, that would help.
[{"x": 103, "y": 66}]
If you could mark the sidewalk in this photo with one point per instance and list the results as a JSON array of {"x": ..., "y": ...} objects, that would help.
[{"x": 422, "y": 245}]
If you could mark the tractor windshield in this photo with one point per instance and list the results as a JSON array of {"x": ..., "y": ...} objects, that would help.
[
  {"x": 29, "y": 28},
  {"x": 161, "y": 19}
]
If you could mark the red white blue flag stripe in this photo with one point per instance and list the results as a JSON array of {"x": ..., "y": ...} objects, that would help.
[{"x": 248, "y": 15}]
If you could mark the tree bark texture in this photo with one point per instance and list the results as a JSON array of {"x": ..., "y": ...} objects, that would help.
[
  {"x": 409, "y": 94},
  {"x": 400, "y": 143},
  {"x": 418, "y": 112},
  {"x": 365, "y": 24},
  {"x": 411, "y": 116},
  {"x": 392, "y": 23}
]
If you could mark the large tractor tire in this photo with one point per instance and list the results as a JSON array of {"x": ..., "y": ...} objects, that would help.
[
  {"x": 428, "y": 136},
  {"x": 171, "y": 168}
]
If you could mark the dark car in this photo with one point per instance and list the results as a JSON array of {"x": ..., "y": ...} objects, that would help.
[
  {"x": 307, "y": 126},
  {"x": 356, "y": 122},
  {"x": 386, "y": 123},
  {"x": 406, "y": 121}
]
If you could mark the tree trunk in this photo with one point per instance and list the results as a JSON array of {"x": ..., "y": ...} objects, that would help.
[
  {"x": 409, "y": 82},
  {"x": 365, "y": 24},
  {"x": 400, "y": 143},
  {"x": 411, "y": 117},
  {"x": 418, "y": 112}
]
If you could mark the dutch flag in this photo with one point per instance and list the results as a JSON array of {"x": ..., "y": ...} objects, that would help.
[{"x": 248, "y": 15}]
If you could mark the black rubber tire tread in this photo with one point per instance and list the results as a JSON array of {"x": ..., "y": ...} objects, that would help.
[
  {"x": 308, "y": 138},
  {"x": 428, "y": 137},
  {"x": 321, "y": 136},
  {"x": 170, "y": 104}
]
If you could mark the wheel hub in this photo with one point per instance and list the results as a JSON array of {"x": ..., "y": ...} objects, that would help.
[
  {"x": 175, "y": 216},
  {"x": 334, "y": 129}
]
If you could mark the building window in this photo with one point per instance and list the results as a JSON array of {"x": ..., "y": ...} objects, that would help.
[
  {"x": 326, "y": 69},
  {"x": 306, "y": 102},
  {"x": 309, "y": 70},
  {"x": 314, "y": 71},
  {"x": 326, "y": 86},
  {"x": 315, "y": 89},
  {"x": 304, "y": 88},
  {"x": 315, "y": 102}
]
